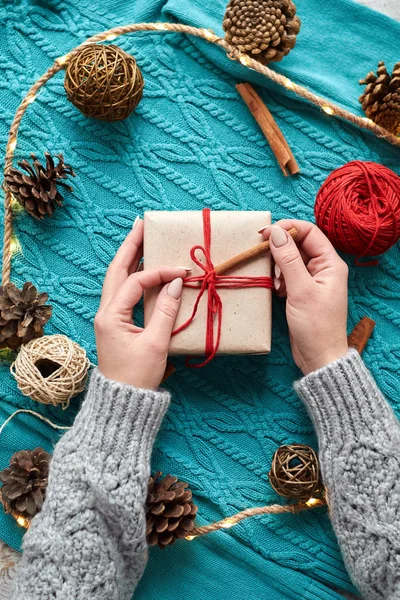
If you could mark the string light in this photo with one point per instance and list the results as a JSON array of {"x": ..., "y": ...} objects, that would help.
[
  {"x": 160, "y": 26},
  {"x": 13, "y": 145},
  {"x": 30, "y": 99},
  {"x": 15, "y": 246},
  {"x": 289, "y": 84},
  {"x": 189, "y": 538},
  {"x": 328, "y": 110},
  {"x": 62, "y": 59},
  {"x": 110, "y": 36},
  {"x": 22, "y": 521},
  {"x": 209, "y": 34},
  {"x": 228, "y": 523},
  {"x": 312, "y": 501},
  {"x": 244, "y": 60}
]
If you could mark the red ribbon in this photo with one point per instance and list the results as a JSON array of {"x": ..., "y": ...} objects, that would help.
[{"x": 210, "y": 281}]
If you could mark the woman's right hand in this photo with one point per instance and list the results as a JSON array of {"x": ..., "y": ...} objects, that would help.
[{"x": 314, "y": 278}]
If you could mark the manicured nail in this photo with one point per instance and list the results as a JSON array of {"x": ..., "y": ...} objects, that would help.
[
  {"x": 186, "y": 269},
  {"x": 175, "y": 288},
  {"x": 135, "y": 222},
  {"x": 278, "y": 271},
  {"x": 262, "y": 228},
  {"x": 277, "y": 283},
  {"x": 279, "y": 236}
]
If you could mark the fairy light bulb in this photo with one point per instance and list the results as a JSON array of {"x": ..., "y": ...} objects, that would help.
[
  {"x": 312, "y": 501},
  {"x": 328, "y": 110},
  {"x": 15, "y": 246},
  {"x": 22, "y": 522}
]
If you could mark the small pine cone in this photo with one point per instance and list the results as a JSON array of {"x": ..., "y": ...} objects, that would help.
[
  {"x": 23, "y": 314},
  {"x": 170, "y": 512},
  {"x": 381, "y": 97},
  {"x": 25, "y": 482},
  {"x": 37, "y": 191},
  {"x": 266, "y": 30}
]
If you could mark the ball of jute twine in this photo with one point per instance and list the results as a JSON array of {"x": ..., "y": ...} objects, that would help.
[
  {"x": 51, "y": 369},
  {"x": 104, "y": 82}
]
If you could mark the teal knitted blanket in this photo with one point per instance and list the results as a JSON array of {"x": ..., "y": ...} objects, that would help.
[{"x": 192, "y": 143}]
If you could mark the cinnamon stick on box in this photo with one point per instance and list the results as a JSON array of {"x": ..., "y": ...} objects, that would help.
[{"x": 274, "y": 135}]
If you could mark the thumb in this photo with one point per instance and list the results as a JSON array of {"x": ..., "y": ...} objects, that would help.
[
  {"x": 163, "y": 317},
  {"x": 288, "y": 258}
]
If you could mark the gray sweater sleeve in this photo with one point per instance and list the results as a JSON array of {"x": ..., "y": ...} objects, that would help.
[
  {"x": 89, "y": 542},
  {"x": 359, "y": 446}
]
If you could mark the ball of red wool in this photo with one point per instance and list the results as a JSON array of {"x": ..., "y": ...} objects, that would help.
[{"x": 358, "y": 208}]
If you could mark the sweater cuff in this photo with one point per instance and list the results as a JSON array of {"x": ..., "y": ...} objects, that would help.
[
  {"x": 343, "y": 400},
  {"x": 118, "y": 419}
]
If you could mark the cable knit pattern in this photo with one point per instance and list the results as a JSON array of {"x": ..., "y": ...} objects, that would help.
[
  {"x": 89, "y": 541},
  {"x": 359, "y": 440},
  {"x": 192, "y": 143}
]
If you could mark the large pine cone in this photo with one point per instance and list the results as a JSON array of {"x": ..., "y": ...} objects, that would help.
[
  {"x": 381, "y": 98},
  {"x": 23, "y": 314},
  {"x": 25, "y": 482},
  {"x": 37, "y": 191},
  {"x": 170, "y": 512},
  {"x": 264, "y": 29}
]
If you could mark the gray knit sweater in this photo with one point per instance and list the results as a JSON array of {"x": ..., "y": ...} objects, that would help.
[{"x": 88, "y": 543}]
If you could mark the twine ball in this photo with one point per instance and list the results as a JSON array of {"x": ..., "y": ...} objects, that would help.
[
  {"x": 51, "y": 369},
  {"x": 104, "y": 82},
  {"x": 295, "y": 472},
  {"x": 358, "y": 208}
]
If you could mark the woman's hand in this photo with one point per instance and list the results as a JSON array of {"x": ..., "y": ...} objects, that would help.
[
  {"x": 127, "y": 353},
  {"x": 314, "y": 278}
]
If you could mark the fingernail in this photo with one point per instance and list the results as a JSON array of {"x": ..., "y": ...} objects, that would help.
[
  {"x": 186, "y": 269},
  {"x": 277, "y": 283},
  {"x": 279, "y": 236},
  {"x": 135, "y": 222},
  {"x": 278, "y": 271},
  {"x": 262, "y": 228},
  {"x": 175, "y": 288}
]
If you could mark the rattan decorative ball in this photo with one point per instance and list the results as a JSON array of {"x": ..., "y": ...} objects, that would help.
[
  {"x": 104, "y": 82},
  {"x": 295, "y": 472},
  {"x": 51, "y": 369}
]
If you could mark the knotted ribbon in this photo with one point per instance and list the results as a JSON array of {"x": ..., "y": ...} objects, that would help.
[{"x": 209, "y": 282}]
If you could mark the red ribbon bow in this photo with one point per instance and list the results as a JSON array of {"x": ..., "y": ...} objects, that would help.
[{"x": 210, "y": 281}]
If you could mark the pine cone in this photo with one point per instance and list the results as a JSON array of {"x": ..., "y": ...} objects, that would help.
[
  {"x": 25, "y": 482},
  {"x": 381, "y": 98},
  {"x": 170, "y": 513},
  {"x": 264, "y": 29},
  {"x": 37, "y": 191},
  {"x": 23, "y": 313}
]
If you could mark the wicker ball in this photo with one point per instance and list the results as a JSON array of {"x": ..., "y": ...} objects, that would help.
[
  {"x": 104, "y": 82},
  {"x": 295, "y": 472},
  {"x": 51, "y": 369}
]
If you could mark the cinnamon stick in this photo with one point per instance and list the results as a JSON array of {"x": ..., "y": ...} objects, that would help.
[
  {"x": 248, "y": 255},
  {"x": 361, "y": 333},
  {"x": 274, "y": 135}
]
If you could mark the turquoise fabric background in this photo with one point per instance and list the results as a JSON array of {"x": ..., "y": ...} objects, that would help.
[{"x": 190, "y": 144}]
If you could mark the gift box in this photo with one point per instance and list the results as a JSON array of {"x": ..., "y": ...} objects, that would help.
[{"x": 234, "y": 310}]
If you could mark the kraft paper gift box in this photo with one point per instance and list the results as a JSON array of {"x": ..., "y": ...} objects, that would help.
[{"x": 246, "y": 312}]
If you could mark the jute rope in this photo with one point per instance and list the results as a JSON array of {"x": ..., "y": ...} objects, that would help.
[
  {"x": 207, "y": 35},
  {"x": 274, "y": 509},
  {"x": 69, "y": 363}
]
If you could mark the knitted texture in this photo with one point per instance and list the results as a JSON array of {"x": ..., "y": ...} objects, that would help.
[
  {"x": 90, "y": 539},
  {"x": 192, "y": 143},
  {"x": 359, "y": 438}
]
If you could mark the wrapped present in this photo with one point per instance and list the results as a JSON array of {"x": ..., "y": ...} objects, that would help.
[{"x": 228, "y": 313}]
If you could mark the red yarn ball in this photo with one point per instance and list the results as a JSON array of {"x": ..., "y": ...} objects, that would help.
[{"x": 358, "y": 208}]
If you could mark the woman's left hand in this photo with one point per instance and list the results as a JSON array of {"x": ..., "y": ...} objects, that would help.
[{"x": 127, "y": 353}]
